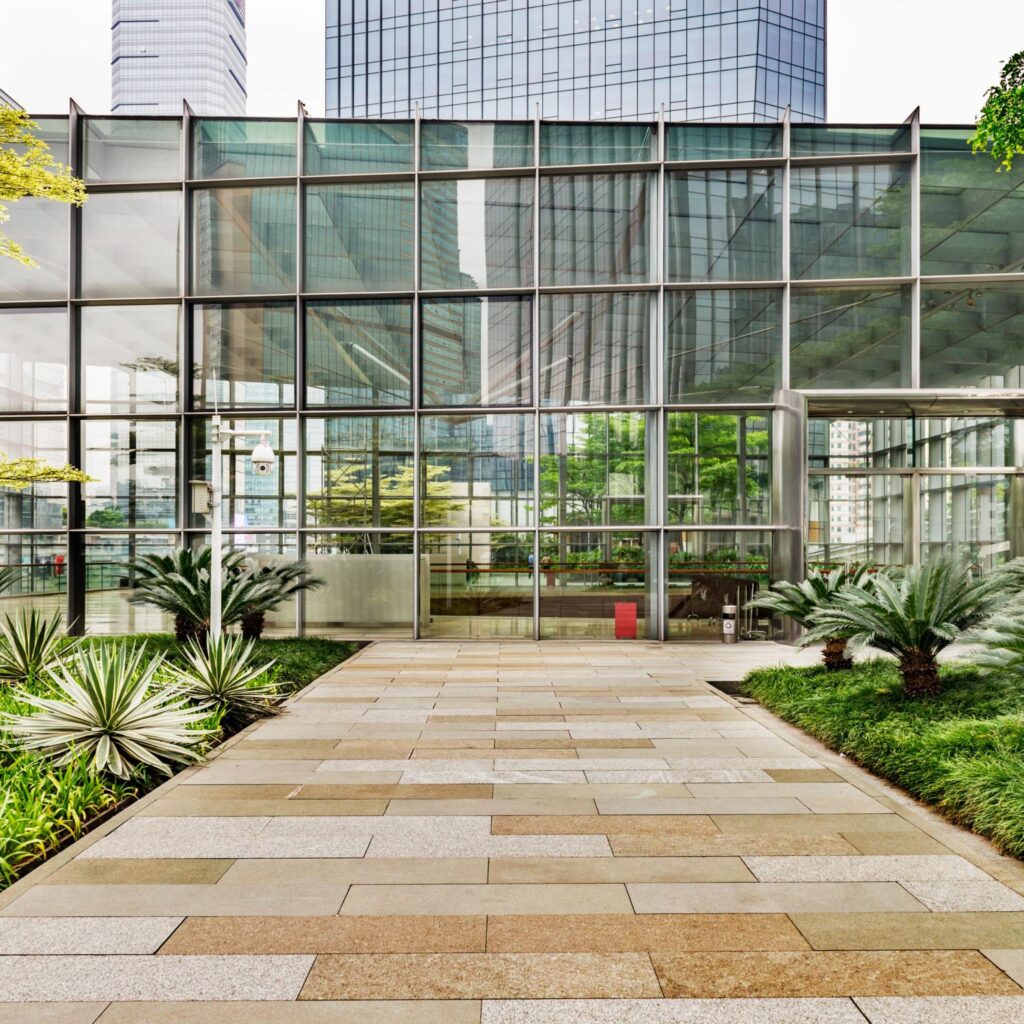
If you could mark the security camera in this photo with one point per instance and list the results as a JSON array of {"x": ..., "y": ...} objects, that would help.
[{"x": 263, "y": 458}]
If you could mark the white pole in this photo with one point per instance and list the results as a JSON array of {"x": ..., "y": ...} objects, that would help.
[{"x": 216, "y": 529}]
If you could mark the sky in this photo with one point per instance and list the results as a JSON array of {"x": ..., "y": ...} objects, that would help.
[{"x": 885, "y": 57}]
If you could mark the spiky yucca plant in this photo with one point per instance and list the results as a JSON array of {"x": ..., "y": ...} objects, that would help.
[
  {"x": 800, "y": 600},
  {"x": 30, "y": 643},
  {"x": 224, "y": 677},
  {"x": 111, "y": 714},
  {"x": 913, "y": 616}
]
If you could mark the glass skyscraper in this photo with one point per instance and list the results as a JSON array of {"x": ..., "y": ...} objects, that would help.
[
  {"x": 716, "y": 60},
  {"x": 166, "y": 51}
]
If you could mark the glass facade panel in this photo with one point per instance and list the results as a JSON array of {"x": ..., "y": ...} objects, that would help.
[
  {"x": 476, "y": 351},
  {"x": 972, "y": 219},
  {"x": 476, "y": 146},
  {"x": 39, "y": 506},
  {"x": 850, "y": 338},
  {"x": 130, "y": 244},
  {"x": 347, "y": 147},
  {"x": 244, "y": 240},
  {"x": 972, "y": 336},
  {"x": 564, "y": 144},
  {"x": 859, "y": 443},
  {"x": 966, "y": 441},
  {"x": 719, "y": 468},
  {"x": 968, "y": 516},
  {"x": 595, "y": 229},
  {"x": 723, "y": 141},
  {"x": 360, "y": 471},
  {"x": 39, "y": 564},
  {"x": 595, "y": 348},
  {"x": 817, "y": 139},
  {"x": 856, "y": 519},
  {"x": 851, "y": 221},
  {"x": 476, "y": 233},
  {"x": 359, "y": 238},
  {"x": 110, "y": 580},
  {"x": 594, "y": 469},
  {"x": 723, "y": 345},
  {"x": 359, "y": 352},
  {"x": 724, "y": 226},
  {"x": 476, "y": 471},
  {"x": 130, "y": 358},
  {"x": 118, "y": 149},
  {"x": 134, "y": 468},
  {"x": 244, "y": 354},
  {"x": 233, "y": 148},
  {"x": 33, "y": 360},
  {"x": 42, "y": 228}
]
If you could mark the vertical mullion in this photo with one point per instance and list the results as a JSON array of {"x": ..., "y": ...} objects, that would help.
[
  {"x": 299, "y": 364},
  {"x": 787, "y": 316},
  {"x": 657, "y": 447},
  {"x": 535, "y": 373},
  {"x": 74, "y": 537},
  {"x": 915, "y": 250},
  {"x": 186, "y": 329},
  {"x": 417, "y": 474}
]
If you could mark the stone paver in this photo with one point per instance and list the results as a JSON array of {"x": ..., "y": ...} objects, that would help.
[{"x": 519, "y": 833}]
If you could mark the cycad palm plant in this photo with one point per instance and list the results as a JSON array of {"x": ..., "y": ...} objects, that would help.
[
  {"x": 1000, "y": 640},
  {"x": 913, "y": 616},
  {"x": 819, "y": 590}
]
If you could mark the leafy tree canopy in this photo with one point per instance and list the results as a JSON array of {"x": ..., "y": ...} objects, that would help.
[
  {"x": 18, "y": 474},
  {"x": 1000, "y": 128}
]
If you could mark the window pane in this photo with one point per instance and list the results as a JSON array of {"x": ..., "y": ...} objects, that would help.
[
  {"x": 858, "y": 444},
  {"x": 40, "y": 506},
  {"x": 719, "y": 468},
  {"x": 562, "y": 144},
  {"x": 33, "y": 360},
  {"x": 110, "y": 580},
  {"x": 723, "y": 345},
  {"x": 131, "y": 244},
  {"x": 368, "y": 585},
  {"x": 359, "y": 471},
  {"x": 246, "y": 352},
  {"x": 446, "y": 147},
  {"x": 130, "y": 356},
  {"x": 476, "y": 351},
  {"x": 359, "y": 237},
  {"x": 476, "y": 470},
  {"x": 119, "y": 149},
  {"x": 723, "y": 141},
  {"x": 244, "y": 240},
  {"x": 41, "y": 227},
  {"x": 359, "y": 352},
  {"x": 724, "y": 226},
  {"x": 39, "y": 562},
  {"x": 593, "y": 469},
  {"x": 134, "y": 466},
  {"x": 965, "y": 442},
  {"x": 251, "y": 501},
  {"x": 595, "y": 229},
  {"x": 243, "y": 149},
  {"x": 966, "y": 517},
  {"x": 477, "y": 233},
  {"x": 814, "y": 139},
  {"x": 594, "y": 348},
  {"x": 972, "y": 219},
  {"x": 848, "y": 338},
  {"x": 358, "y": 147},
  {"x": 856, "y": 519},
  {"x": 851, "y": 221}
]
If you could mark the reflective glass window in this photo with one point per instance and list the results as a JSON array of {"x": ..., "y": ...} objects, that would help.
[
  {"x": 42, "y": 228},
  {"x": 54, "y": 132},
  {"x": 359, "y": 237},
  {"x": 110, "y": 580},
  {"x": 359, "y": 471},
  {"x": 966, "y": 442},
  {"x": 867, "y": 443},
  {"x": 595, "y": 229},
  {"x": 244, "y": 354},
  {"x": 966, "y": 516},
  {"x": 38, "y": 565},
  {"x": 119, "y": 149},
  {"x": 244, "y": 240},
  {"x": 723, "y": 345},
  {"x": 479, "y": 145},
  {"x": 724, "y": 226},
  {"x": 224, "y": 148},
  {"x": 723, "y": 141},
  {"x": 476, "y": 233},
  {"x": 595, "y": 348},
  {"x": 130, "y": 358},
  {"x": 359, "y": 352},
  {"x": 850, "y": 338},
  {"x": 563, "y": 144},
  {"x": 476, "y": 351},
  {"x": 815, "y": 139},
  {"x": 851, "y": 221},
  {"x": 38, "y": 506},
  {"x": 134, "y": 468},
  {"x": 33, "y": 360},
  {"x": 358, "y": 147}
]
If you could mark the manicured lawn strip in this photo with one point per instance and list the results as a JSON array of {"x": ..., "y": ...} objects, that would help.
[
  {"x": 42, "y": 808},
  {"x": 962, "y": 752}
]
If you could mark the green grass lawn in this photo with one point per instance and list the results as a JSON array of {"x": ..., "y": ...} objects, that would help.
[
  {"x": 43, "y": 807},
  {"x": 962, "y": 751}
]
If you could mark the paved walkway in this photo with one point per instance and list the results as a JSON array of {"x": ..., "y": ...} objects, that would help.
[{"x": 516, "y": 833}]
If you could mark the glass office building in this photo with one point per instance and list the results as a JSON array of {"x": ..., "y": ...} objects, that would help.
[
  {"x": 519, "y": 376},
  {"x": 714, "y": 60}
]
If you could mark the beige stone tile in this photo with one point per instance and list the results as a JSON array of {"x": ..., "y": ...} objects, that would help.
[
  {"x": 770, "y": 897},
  {"x": 895, "y": 843},
  {"x": 714, "y": 806},
  {"x": 138, "y": 872},
  {"x": 482, "y": 975},
  {"x": 349, "y": 1011},
  {"x": 593, "y": 791},
  {"x": 936, "y": 930},
  {"x": 812, "y": 824},
  {"x": 578, "y": 744},
  {"x": 735, "y": 845},
  {"x": 603, "y": 824},
  {"x": 1010, "y": 961},
  {"x": 803, "y": 775},
  {"x": 619, "y": 869},
  {"x": 822, "y": 798},
  {"x": 174, "y": 806},
  {"x": 280, "y": 791},
  {"x": 316, "y": 874},
  {"x": 552, "y": 806},
  {"x": 426, "y": 791},
  {"x": 364, "y": 751},
  {"x": 50, "y": 1013}
]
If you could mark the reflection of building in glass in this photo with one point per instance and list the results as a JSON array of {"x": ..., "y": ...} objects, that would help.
[{"x": 513, "y": 386}]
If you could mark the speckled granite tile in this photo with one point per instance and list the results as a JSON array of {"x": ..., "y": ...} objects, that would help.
[
  {"x": 603, "y": 824},
  {"x": 314, "y": 875},
  {"x": 52, "y": 935},
  {"x": 979, "y": 930},
  {"x": 677, "y": 775},
  {"x": 350, "y": 1011},
  {"x": 739, "y": 845},
  {"x": 493, "y": 898},
  {"x": 943, "y": 1010},
  {"x": 138, "y": 872},
  {"x": 965, "y": 895},
  {"x": 486, "y": 776},
  {"x": 865, "y": 869},
  {"x": 620, "y": 869}
]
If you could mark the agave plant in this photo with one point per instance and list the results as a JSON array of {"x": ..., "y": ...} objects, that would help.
[
  {"x": 913, "y": 616},
  {"x": 819, "y": 590},
  {"x": 30, "y": 643},
  {"x": 224, "y": 676},
  {"x": 111, "y": 714}
]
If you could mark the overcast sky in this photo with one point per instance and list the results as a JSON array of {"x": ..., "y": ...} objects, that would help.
[{"x": 885, "y": 56}]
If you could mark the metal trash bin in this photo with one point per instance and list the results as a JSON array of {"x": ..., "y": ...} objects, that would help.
[{"x": 728, "y": 624}]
